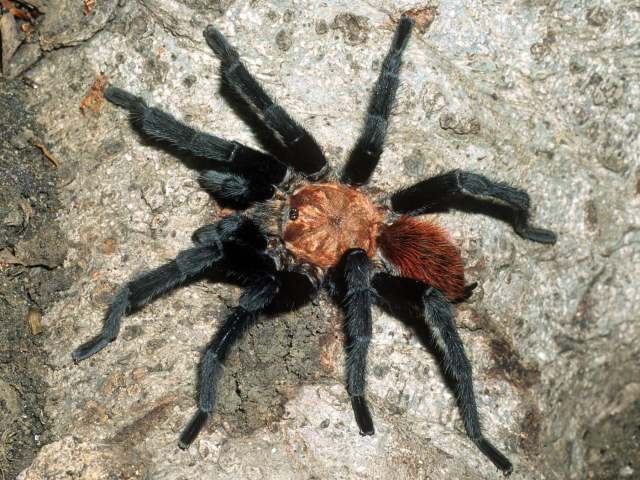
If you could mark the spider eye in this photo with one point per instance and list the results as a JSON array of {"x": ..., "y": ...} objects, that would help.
[{"x": 293, "y": 214}]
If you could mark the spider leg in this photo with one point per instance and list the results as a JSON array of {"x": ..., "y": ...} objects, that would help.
[
  {"x": 368, "y": 149},
  {"x": 357, "y": 306},
  {"x": 137, "y": 293},
  {"x": 253, "y": 301},
  {"x": 437, "y": 312},
  {"x": 303, "y": 152},
  {"x": 252, "y": 172},
  {"x": 439, "y": 316},
  {"x": 229, "y": 244},
  {"x": 440, "y": 192},
  {"x": 234, "y": 228}
]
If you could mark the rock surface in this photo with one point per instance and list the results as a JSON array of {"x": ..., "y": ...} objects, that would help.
[
  {"x": 544, "y": 95},
  {"x": 32, "y": 251}
]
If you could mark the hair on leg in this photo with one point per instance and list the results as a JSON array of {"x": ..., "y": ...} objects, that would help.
[
  {"x": 439, "y": 192},
  {"x": 235, "y": 190},
  {"x": 439, "y": 317},
  {"x": 304, "y": 154},
  {"x": 357, "y": 307},
  {"x": 257, "y": 171},
  {"x": 368, "y": 149},
  {"x": 137, "y": 293},
  {"x": 165, "y": 127},
  {"x": 253, "y": 301},
  {"x": 410, "y": 300},
  {"x": 226, "y": 185},
  {"x": 234, "y": 228},
  {"x": 232, "y": 244}
]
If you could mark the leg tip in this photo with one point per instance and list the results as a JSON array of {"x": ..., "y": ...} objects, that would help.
[
  {"x": 496, "y": 457},
  {"x": 403, "y": 31},
  {"x": 192, "y": 429},
  {"x": 218, "y": 43},
  {"x": 210, "y": 31},
  {"x": 368, "y": 432},
  {"x": 548, "y": 237},
  {"x": 89, "y": 349},
  {"x": 539, "y": 235},
  {"x": 123, "y": 99},
  {"x": 363, "y": 415},
  {"x": 75, "y": 356},
  {"x": 468, "y": 291}
]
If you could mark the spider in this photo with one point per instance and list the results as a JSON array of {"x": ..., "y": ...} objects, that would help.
[{"x": 301, "y": 228}]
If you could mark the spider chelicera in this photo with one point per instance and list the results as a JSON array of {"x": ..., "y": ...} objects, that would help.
[{"x": 304, "y": 228}]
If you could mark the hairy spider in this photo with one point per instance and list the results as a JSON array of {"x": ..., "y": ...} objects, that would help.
[{"x": 305, "y": 228}]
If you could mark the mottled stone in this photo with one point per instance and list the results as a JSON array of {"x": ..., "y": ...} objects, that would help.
[
  {"x": 69, "y": 458},
  {"x": 552, "y": 331}
]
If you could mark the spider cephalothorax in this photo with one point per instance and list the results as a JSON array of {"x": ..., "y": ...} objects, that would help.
[
  {"x": 305, "y": 227},
  {"x": 326, "y": 220}
]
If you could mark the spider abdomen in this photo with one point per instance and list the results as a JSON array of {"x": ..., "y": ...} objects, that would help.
[
  {"x": 327, "y": 219},
  {"x": 423, "y": 251}
]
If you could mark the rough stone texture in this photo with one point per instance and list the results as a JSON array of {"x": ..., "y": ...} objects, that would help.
[
  {"x": 32, "y": 250},
  {"x": 69, "y": 458},
  {"x": 541, "y": 94}
]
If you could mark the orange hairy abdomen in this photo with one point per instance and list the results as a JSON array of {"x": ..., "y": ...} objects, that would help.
[{"x": 423, "y": 251}]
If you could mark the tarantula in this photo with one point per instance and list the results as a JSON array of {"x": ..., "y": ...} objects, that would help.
[{"x": 305, "y": 228}]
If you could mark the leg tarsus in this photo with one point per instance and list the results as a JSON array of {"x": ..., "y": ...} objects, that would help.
[
  {"x": 117, "y": 310},
  {"x": 90, "y": 348},
  {"x": 534, "y": 234},
  {"x": 220, "y": 46},
  {"x": 362, "y": 414},
  {"x": 124, "y": 99},
  {"x": 192, "y": 429},
  {"x": 493, "y": 454}
]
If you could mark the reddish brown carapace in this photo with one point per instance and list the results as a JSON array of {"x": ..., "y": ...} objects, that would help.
[
  {"x": 423, "y": 251},
  {"x": 332, "y": 218}
]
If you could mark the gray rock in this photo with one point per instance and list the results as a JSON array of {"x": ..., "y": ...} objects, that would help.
[
  {"x": 11, "y": 40},
  {"x": 543, "y": 96}
]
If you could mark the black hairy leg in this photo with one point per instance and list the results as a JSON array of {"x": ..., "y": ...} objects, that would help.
[
  {"x": 439, "y": 317},
  {"x": 302, "y": 151},
  {"x": 410, "y": 299},
  {"x": 368, "y": 149},
  {"x": 232, "y": 229},
  {"x": 440, "y": 192},
  {"x": 253, "y": 301},
  {"x": 225, "y": 244},
  {"x": 357, "y": 307},
  {"x": 137, "y": 293},
  {"x": 240, "y": 175}
]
